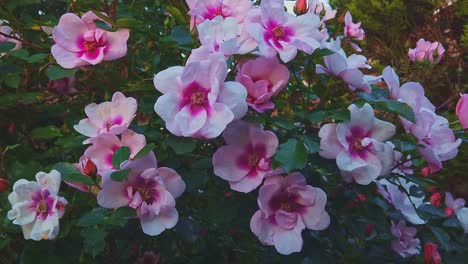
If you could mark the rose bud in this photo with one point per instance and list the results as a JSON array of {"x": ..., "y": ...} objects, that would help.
[{"x": 300, "y": 7}]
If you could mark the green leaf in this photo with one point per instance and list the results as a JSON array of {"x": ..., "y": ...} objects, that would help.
[
  {"x": 103, "y": 17},
  {"x": 312, "y": 145},
  {"x": 71, "y": 174},
  {"x": 416, "y": 191},
  {"x": 400, "y": 108},
  {"x": 20, "y": 54},
  {"x": 94, "y": 240},
  {"x": 102, "y": 25},
  {"x": 6, "y": 46},
  {"x": 431, "y": 211},
  {"x": 95, "y": 217},
  {"x": 120, "y": 176},
  {"x": 319, "y": 53},
  {"x": 121, "y": 216},
  {"x": 182, "y": 145},
  {"x": 452, "y": 222},
  {"x": 57, "y": 72},
  {"x": 120, "y": 155},
  {"x": 37, "y": 57},
  {"x": 181, "y": 35},
  {"x": 47, "y": 132},
  {"x": 127, "y": 22},
  {"x": 13, "y": 80},
  {"x": 442, "y": 236},
  {"x": 283, "y": 123},
  {"x": 144, "y": 151},
  {"x": 292, "y": 155},
  {"x": 316, "y": 116}
]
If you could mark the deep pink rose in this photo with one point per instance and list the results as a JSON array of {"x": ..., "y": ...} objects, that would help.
[
  {"x": 462, "y": 110},
  {"x": 426, "y": 50}
]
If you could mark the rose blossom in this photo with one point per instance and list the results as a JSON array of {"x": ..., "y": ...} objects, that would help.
[
  {"x": 245, "y": 161},
  {"x": 196, "y": 102},
  {"x": 400, "y": 200},
  {"x": 150, "y": 190},
  {"x": 209, "y": 9},
  {"x": 358, "y": 145},
  {"x": 426, "y": 50},
  {"x": 79, "y": 42},
  {"x": 108, "y": 117},
  {"x": 406, "y": 244},
  {"x": 277, "y": 31},
  {"x": 287, "y": 206},
  {"x": 347, "y": 68},
  {"x": 8, "y": 31},
  {"x": 104, "y": 146},
  {"x": 263, "y": 78},
  {"x": 36, "y": 206},
  {"x": 462, "y": 110}
]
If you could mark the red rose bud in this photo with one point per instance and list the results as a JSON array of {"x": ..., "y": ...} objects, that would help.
[
  {"x": 449, "y": 211},
  {"x": 426, "y": 171},
  {"x": 361, "y": 197},
  {"x": 435, "y": 199},
  {"x": 11, "y": 128},
  {"x": 89, "y": 168},
  {"x": 369, "y": 228},
  {"x": 431, "y": 254},
  {"x": 300, "y": 7},
  {"x": 3, "y": 185}
]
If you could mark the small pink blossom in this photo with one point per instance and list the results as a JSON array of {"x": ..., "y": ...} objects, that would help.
[
  {"x": 36, "y": 206},
  {"x": 279, "y": 32},
  {"x": 322, "y": 8},
  {"x": 426, "y": 50},
  {"x": 150, "y": 190},
  {"x": 108, "y": 117},
  {"x": 400, "y": 200},
  {"x": 79, "y": 42},
  {"x": 358, "y": 145},
  {"x": 346, "y": 68},
  {"x": 263, "y": 78},
  {"x": 9, "y": 31},
  {"x": 245, "y": 161},
  {"x": 287, "y": 206},
  {"x": 196, "y": 102},
  {"x": 353, "y": 30},
  {"x": 406, "y": 243},
  {"x": 455, "y": 204},
  {"x": 201, "y": 10},
  {"x": 104, "y": 146},
  {"x": 462, "y": 110}
]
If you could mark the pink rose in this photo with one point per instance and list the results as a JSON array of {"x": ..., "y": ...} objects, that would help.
[
  {"x": 263, "y": 78},
  {"x": 353, "y": 30},
  {"x": 245, "y": 161},
  {"x": 287, "y": 206},
  {"x": 426, "y": 50},
  {"x": 209, "y": 9},
  {"x": 79, "y": 42},
  {"x": 462, "y": 110}
]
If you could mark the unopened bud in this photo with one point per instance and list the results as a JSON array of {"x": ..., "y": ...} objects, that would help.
[
  {"x": 300, "y": 7},
  {"x": 89, "y": 168}
]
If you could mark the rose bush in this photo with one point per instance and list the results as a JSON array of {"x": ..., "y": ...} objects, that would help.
[{"x": 241, "y": 131}]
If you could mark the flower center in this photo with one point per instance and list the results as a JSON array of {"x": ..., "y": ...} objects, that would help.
[
  {"x": 279, "y": 32},
  {"x": 109, "y": 125},
  {"x": 90, "y": 45},
  {"x": 197, "y": 98},
  {"x": 252, "y": 160},
  {"x": 145, "y": 194},
  {"x": 286, "y": 207},
  {"x": 357, "y": 146},
  {"x": 41, "y": 207}
]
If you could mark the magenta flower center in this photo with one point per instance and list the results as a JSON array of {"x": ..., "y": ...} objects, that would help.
[
  {"x": 279, "y": 32},
  {"x": 285, "y": 201},
  {"x": 90, "y": 45},
  {"x": 219, "y": 10},
  {"x": 42, "y": 204},
  {"x": 198, "y": 98},
  {"x": 41, "y": 207},
  {"x": 253, "y": 159}
]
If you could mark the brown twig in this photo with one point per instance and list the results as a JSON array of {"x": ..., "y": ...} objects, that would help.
[{"x": 22, "y": 40}]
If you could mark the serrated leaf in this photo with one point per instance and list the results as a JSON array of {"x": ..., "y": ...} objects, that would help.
[
  {"x": 56, "y": 72},
  {"x": 94, "y": 240},
  {"x": 120, "y": 155},
  {"x": 71, "y": 174},
  {"x": 92, "y": 218},
  {"x": 6, "y": 46},
  {"x": 47, "y": 132},
  {"x": 120, "y": 176},
  {"x": 144, "y": 151},
  {"x": 292, "y": 155}
]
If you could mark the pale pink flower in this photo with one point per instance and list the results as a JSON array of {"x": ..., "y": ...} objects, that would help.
[
  {"x": 225, "y": 35},
  {"x": 104, "y": 146},
  {"x": 263, "y": 78},
  {"x": 245, "y": 161},
  {"x": 196, "y": 102},
  {"x": 201, "y": 10},
  {"x": 287, "y": 206},
  {"x": 346, "y": 68},
  {"x": 353, "y": 30},
  {"x": 455, "y": 204},
  {"x": 406, "y": 244},
  {"x": 462, "y": 110},
  {"x": 9, "y": 31},
  {"x": 279, "y": 32},
  {"x": 358, "y": 145},
  {"x": 150, "y": 190},
  {"x": 426, "y": 50},
  {"x": 36, "y": 206},
  {"x": 108, "y": 117},
  {"x": 79, "y": 42},
  {"x": 400, "y": 200},
  {"x": 320, "y": 7}
]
